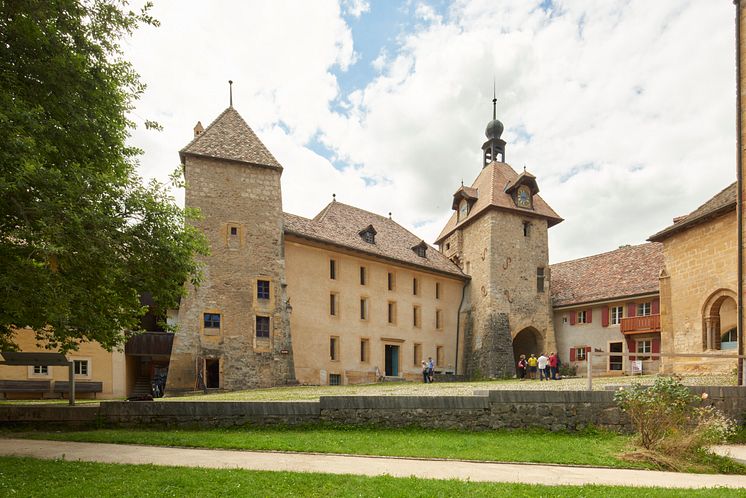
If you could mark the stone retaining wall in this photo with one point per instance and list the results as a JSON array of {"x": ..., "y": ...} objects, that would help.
[{"x": 485, "y": 410}]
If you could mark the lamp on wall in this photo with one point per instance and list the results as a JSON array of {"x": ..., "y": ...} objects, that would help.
[{"x": 288, "y": 307}]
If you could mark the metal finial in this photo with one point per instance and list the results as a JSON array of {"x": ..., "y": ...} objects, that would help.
[
  {"x": 230, "y": 91},
  {"x": 389, "y": 214},
  {"x": 462, "y": 182},
  {"x": 494, "y": 98},
  {"x": 334, "y": 197},
  {"x": 524, "y": 168}
]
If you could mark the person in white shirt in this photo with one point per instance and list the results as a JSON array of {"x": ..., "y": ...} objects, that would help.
[{"x": 543, "y": 362}]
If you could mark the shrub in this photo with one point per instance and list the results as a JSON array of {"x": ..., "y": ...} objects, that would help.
[{"x": 566, "y": 370}]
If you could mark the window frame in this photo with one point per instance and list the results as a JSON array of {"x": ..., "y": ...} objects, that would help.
[
  {"x": 641, "y": 308},
  {"x": 333, "y": 269},
  {"x": 540, "y": 278},
  {"x": 263, "y": 294},
  {"x": 78, "y": 370},
  {"x": 579, "y": 314},
  {"x": 364, "y": 308},
  {"x": 416, "y": 316},
  {"x": 645, "y": 352},
  {"x": 391, "y": 313},
  {"x": 256, "y": 327},
  {"x": 334, "y": 348},
  {"x": 580, "y": 353},
  {"x": 363, "y": 275},
  {"x": 618, "y": 315}
]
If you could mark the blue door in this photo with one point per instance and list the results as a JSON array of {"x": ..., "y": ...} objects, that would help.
[{"x": 392, "y": 361}]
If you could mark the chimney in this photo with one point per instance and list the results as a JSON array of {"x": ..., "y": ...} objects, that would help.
[
  {"x": 198, "y": 128},
  {"x": 679, "y": 218}
]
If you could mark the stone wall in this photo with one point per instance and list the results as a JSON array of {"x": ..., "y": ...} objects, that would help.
[{"x": 485, "y": 410}]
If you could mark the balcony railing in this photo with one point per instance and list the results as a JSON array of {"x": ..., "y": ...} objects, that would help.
[{"x": 640, "y": 324}]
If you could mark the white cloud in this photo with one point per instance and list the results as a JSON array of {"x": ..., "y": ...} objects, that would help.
[
  {"x": 624, "y": 111},
  {"x": 356, "y": 8}
]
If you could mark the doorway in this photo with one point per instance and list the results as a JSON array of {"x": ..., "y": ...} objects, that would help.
[
  {"x": 212, "y": 374},
  {"x": 392, "y": 360},
  {"x": 528, "y": 341},
  {"x": 616, "y": 362}
]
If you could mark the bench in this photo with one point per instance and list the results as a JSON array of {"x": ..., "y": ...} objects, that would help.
[
  {"x": 25, "y": 386},
  {"x": 63, "y": 386}
]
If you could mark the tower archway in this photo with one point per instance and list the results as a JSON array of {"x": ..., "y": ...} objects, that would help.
[
  {"x": 527, "y": 341},
  {"x": 719, "y": 320}
]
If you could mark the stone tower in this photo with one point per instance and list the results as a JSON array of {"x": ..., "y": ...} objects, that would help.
[
  {"x": 234, "y": 328},
  {"x": 498, "y": 236}
]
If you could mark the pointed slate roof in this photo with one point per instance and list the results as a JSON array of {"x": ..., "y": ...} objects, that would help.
[
  {"x": 491, "y": 185},
  {"x": 340, "y": 225},
  {"x": 229, "y": 137},
  {"x": 721, "y": 203}
]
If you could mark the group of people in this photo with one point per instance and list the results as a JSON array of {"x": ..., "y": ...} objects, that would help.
[
  {"x": 427, "y": 370},
  {"x": 547, "y": 366}
]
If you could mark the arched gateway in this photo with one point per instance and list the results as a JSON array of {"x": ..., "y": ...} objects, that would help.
[{"x": 527, "y": 341}]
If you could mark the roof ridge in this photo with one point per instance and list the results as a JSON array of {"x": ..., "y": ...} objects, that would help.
[{"x": 600, "y": 254}]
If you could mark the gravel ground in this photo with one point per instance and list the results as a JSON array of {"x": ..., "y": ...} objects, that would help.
[{"x": 310, "y": 393}]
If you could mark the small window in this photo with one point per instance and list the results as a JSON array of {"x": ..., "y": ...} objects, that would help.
[
  {"x": 463, "y": 210},
  {"x": 526, "y": 228},
  {"x": 644, "y": 309},
  {"x": 262, "y": 289},
  {"x": 421, "y": 251},
  {"x": 333, "y": 269},
  {"x": 438, "y": 321},
  {"x": 364, "y": 350},
  {"x": 416, "y": 316},
  {"x": 333, "y": 298},
  {"x": 615, "y": 315},
  {"x": 392, "y": 312},
  {"x": 439, "y": 356},
  {"x": 448, "y": 246},
  {"x": 335, "y": 379},
  {"x": 540, "y": 280},
  {"x": 334, "y": 348},
  {"x": 212, "y": 320},
  {"x": 262, "y": 326},
  {"x": 391, "y": 281},
  {"x": 582, "y": 317},
  {"x": 368, "y": 234},
  {"x": 363, "y": 308},
  {"x": 580, "y": 353},
  {"x": 80, "y": 367},
  {"x": 415, "y": 286},
  {"x": 363, "y": 275},
  {"x": 437, "y": 290},
  {"x": 417, "y": 360},
  {"x": 41, "y": 370},
  {"x": 644, "y": 346},
  {"x": 234, "y": 231}
]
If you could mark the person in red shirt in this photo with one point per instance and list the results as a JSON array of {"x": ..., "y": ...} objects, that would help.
[{"x": 553, "y": 365}]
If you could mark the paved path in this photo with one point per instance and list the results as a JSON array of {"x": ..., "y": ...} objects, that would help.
[
  {"x": 735, "y": 451},
  {"x": 361, "y": 465}
]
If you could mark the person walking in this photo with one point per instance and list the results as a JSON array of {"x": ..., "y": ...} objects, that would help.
[
  {"x": 553, "y": 365},
  {"x": 542, "y": 363},
  {"x": 430, "y": 368},
  {"x": 532, "y": 362},
  {"x": 522, "y": 366},
  {"x": 425, "y": 372}
]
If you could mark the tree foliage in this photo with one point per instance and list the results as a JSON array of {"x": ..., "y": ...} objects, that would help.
[{"x": 81, "y": 237}]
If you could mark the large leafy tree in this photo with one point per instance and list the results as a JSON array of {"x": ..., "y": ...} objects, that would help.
[{"x": 81, "y": 237}]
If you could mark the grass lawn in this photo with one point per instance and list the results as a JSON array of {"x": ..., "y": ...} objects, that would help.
[
  {"x": 312, "y": 393},
  {"x": 29, "y": 477},
  {"x": 596, "y": 448}
]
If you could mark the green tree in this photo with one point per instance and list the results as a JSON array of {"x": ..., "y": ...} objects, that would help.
[{"x": 81, "y": 237}]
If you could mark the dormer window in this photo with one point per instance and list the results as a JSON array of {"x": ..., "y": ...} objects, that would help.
[
  {"x": 368, "y": 234},
  {"x": 420, "y": 249}
]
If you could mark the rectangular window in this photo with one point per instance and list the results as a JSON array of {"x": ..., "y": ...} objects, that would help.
[
  {"x": 438, "y": 321},
  {"x": 644, "y": 309},
  {"x": 333, "y": 303},
  {"x": 363, "y": 275},
  {"x": 333, "y": 269},
  {"x": 212, "y": 320},
  {"x": 334, "y": 348},
  {"x": 417, "y": 360},
  {"x": 363, "y": 308},
  {"x": 391, "y": 281},
  {"x": 526, "y": 228},
  {"x": 615, "y": 315},
  {"x": 335, "y": 379},
  {"x": 616, "y": 361},
  {"x": 644, "y": 346},
  {"x": 41, "y": 370},
  {"x": 440, "y": 356},
  {"x": 234, "y": 230},
  {"x": 364, "y": 350},
  {"x": 392, "y": 312},
  {"x": 262, "y": 289},
  {"x": 580, "y": 353},
  {"x": 437, "y": 290},
  {"x": 540, "y": 280},
  {"x": 416, "y": 316},
  {"x": 415, "y": 286},
  {"x": 80, "y": 367},
  {"x": 582, "y": 317},
  {"x": 262, "y": 326}
]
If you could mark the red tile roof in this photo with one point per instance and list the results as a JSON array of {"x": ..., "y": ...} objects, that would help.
[
  {"x": 722, "y": 202},
  {"x": 340, "y": 225},
  {"x": 627, "y": 271},
  {"x": 229, "y": 137},
  {"x": 490, "y": 187}
]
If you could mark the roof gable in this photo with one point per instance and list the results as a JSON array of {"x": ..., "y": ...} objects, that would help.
[{"x": 229, "y": 137}]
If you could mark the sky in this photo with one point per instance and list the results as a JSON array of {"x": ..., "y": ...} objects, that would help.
[{"x": 623, "y": 110}]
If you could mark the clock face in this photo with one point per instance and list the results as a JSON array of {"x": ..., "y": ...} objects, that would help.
[{"x": 523, "y": 197}]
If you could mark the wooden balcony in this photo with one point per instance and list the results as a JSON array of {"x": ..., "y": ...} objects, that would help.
[
  {"x": 149, "y": 344},
  {"x": 640, "y": 324}
]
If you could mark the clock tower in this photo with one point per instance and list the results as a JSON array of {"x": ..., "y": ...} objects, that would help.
[{"x": 498, "y": 236}]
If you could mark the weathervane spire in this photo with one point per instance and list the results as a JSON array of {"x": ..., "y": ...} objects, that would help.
[
  {"x": 230, "y": 92},
  {"x": 494, "y": 99}
]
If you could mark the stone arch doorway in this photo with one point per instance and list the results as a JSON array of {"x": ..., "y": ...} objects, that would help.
[
  {"x": 527, "y": 341},
  {"x": 719, "y": 320}
]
